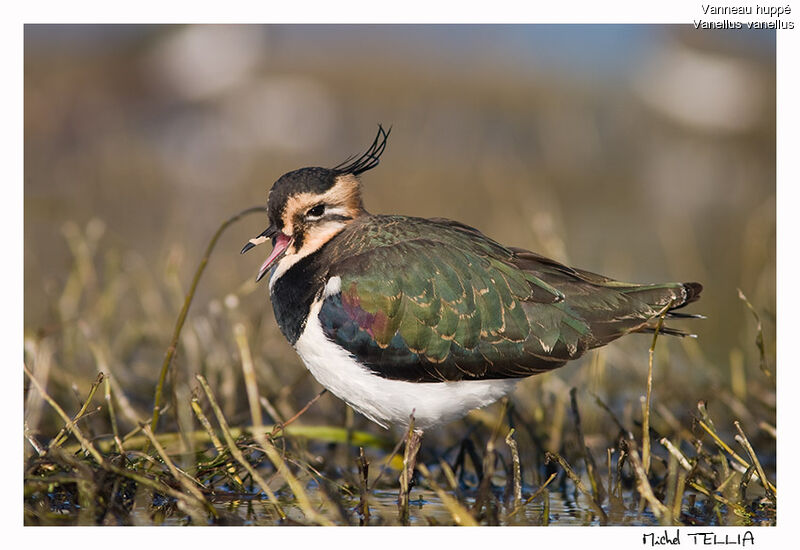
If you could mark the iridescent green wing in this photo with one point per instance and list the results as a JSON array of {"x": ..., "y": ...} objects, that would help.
[
  {"x": 438, "y": 302},
  {"x": 433, "y": 300}
]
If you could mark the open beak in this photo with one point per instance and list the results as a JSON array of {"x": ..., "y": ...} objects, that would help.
[{"x": 280, "y": 242}]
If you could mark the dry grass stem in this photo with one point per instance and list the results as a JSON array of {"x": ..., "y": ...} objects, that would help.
[
  {"x": 249, "y": 374},
  {"x": 675, "y": 452},
  {"x": 282, "y": 426},
  {"x": 722, "y": 445},
  {"x": 646, "y": 405},
  {"x": 234, "y": 450},
  {"x": 663, "y": 513},
  {"x": 759, "y": 334},
  {"x": 112, "y": 416},
  {"x": 409, "y": 463},
  {"x": 70, "y": 423},
  {"x": 591, "y": 468},
  {"x": 516, "y": 477},
  {"x": 62, "y": 435},
  {"x": 460, "y": 514},
  {"x": 185, "y": 481},
  {"x": 539, "y": 491},
  {"x": 363, "y": 487},
  {"x": 173, "y": 346},
  {"x": 738, "y": 510},
  {"x": 578, "y": 484},
  {"x": 742, "y": 439}
]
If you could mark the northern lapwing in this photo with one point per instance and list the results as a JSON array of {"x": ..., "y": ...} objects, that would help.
[{"x": 398, "y": 315}]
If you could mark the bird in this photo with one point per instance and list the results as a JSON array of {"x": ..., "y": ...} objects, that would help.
[{"x": 405, "y": 317}]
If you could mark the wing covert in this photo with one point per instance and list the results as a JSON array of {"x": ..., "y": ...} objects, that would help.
[{"x": 449, "y": 312}]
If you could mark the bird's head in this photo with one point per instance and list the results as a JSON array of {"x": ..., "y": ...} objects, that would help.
[{"x": 310, "y": 206}]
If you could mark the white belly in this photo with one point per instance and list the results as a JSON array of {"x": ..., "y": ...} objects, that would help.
[{"x": 390, "y": 402}]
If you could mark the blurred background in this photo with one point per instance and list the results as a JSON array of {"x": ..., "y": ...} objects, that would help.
[{"x": 646, "y": 153}]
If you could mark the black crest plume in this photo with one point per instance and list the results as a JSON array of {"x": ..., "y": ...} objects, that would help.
[{"x": 369, "y": 159}]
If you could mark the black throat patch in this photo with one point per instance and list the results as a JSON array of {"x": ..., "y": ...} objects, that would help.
[{"x": 294, "y": 292}]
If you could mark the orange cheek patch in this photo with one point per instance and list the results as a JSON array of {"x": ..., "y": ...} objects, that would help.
[{"x": 345, "y": 193}]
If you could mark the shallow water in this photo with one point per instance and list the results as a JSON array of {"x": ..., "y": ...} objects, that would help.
[
  {"x": 426, "y": 508},
  {"x": 566, "y": 508}
]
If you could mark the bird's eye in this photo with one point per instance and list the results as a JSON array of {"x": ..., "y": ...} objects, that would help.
[{"x": 317, "y": 211}]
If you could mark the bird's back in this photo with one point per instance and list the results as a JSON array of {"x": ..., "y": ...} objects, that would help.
[{"x": 432, "y": 300}]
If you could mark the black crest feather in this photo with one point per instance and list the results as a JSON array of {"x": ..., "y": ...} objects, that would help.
[{"x": 369, "y": 160}]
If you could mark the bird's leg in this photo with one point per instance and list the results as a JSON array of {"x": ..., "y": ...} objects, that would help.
[
  {"x": 413, "y": 440},
  {"x": 467, "y": 449}
]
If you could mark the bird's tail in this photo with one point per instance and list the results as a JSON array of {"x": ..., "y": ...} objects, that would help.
[{"x": 672, "y": 296}]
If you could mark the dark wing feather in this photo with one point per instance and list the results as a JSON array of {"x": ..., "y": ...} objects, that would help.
[{"x": 434, "y": 300}]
